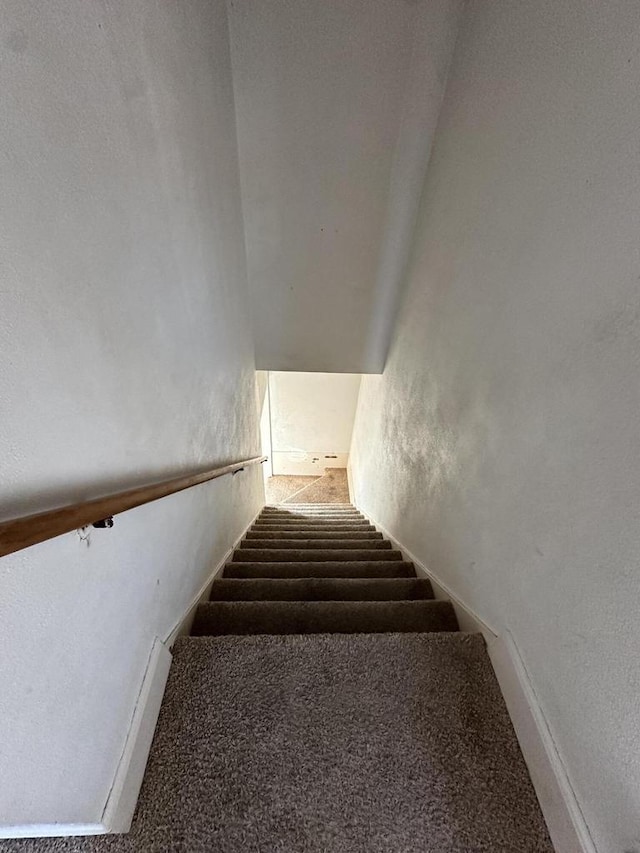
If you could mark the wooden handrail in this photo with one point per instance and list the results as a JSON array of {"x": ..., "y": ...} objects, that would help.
[{"x": 22, "y": 532}]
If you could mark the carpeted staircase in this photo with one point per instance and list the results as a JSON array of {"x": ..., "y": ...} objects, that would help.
[
  {"x": 327, "y": 703},
  {"x": 319, "y": 570}
]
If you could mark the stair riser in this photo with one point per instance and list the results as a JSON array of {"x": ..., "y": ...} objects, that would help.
[
  {"x": 308, "y": 505},
  {"x": 313, "y": 534},
  {"x": 348, "y": 513},
  {"x": 337, "y": 526},
  {"x": 323, "y": 544},
  {"x": 311, "y": 505},
  {"x": 310, "y": 518},
  {"x": 323, "y": 569},
  {"x": 284, "y": 555},
  {"x": 320, "y": 617},
  {"x": 315, "y": 513},
  {"x": 321, "y": 589},
  {"x": 299, "y": 519},
  {"x": 298, "y": 508}
]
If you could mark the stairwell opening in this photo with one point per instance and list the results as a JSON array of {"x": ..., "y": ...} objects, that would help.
[{"x": 306, "y": 426}]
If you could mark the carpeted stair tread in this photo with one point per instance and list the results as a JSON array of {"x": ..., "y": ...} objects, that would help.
[
  {"x": 361, "y": 743},
  {"x": 396, "y": 743},
  {"x": 314, "y": 516},
  {"x": 293, "y": 555},
  {"x": 322, "y": 617},
  {"x": 320, "y": 504},
  {"x": 314, "y": 513},
  {"x": 294, "y": 506},
  {"x": 367, "y": 544},
  {"x": 312, "y": 534},
  {"x": 297, "y": 506},
  {"x": 291, "y": 509},
  {"x": 295, "y": 527},
  {"x": 294, "y": 524},
  {"x": 312, "y": 519},
  {"x": 321, "y": 589},
  {"x": 323, "y": 569},
  {"x": 310, "y": 513}
]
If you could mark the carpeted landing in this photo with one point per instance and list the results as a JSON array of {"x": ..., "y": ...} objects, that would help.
[
  {"x": 337, "y": 710},
  {"x": 330, "y": 487}
]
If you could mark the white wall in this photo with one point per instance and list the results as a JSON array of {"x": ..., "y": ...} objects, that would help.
[
  {"x": 501, "y": 444},
  {"x": 125, "y": 355},
  {"x": 336, "y": 107},
  {"x": 262, "y": 385},
  {"x": 311, "y": 420}
]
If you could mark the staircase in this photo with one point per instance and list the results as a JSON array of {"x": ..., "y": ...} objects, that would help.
[
  {"x": 319, "y": 569},
  {"x": 327, "y": 703}
]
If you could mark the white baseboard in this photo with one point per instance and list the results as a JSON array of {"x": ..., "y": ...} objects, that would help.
[
  {"x": 468, "y": 619},
  {"x": 303, "y": 463},
  {"x": 563, "y": 816},
  {"x": 125, "y": 788},
  {"x": 565, "y": 821},
  {"x": 51, "y": 830},
  {"x": 123, "y": 796}
]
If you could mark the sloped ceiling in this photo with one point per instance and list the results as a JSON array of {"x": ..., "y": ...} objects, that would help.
[{"x": 336, "y": 106}]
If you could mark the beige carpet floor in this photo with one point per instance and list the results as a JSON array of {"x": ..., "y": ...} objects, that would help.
[
  {"x": 278, "y": 489},
  {"x": 331, "y": 488}
]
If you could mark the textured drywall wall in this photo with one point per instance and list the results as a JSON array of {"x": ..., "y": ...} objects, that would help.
[
  {"x": 125, "y": 354},
  {"x": 311, "y": 411},
  {"x": 501, "y": 444},
  {"x": 336, "y": 106},
  {"x": 312, "y": 415}
]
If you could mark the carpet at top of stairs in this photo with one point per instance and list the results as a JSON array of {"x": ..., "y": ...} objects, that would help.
[
  {"x": 280, "y": 487},
  {"x": 330, "y": 487}
]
